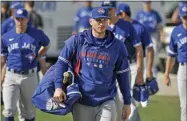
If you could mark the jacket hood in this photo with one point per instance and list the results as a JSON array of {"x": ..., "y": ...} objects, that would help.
[{"x": 90, "y": 39}]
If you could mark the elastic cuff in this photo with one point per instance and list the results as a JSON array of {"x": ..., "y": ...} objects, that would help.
[
  {"x": 171, "y": 55},
  {"x": 127, "y": 102},
  {"x": 58, "y": 85}
]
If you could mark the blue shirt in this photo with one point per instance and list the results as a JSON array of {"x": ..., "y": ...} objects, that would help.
[
  {"x": 125, "y": 32},
  {"x": 97, "y": 65},
  {"x": 21, "y": 50},
  {"x": 149, "y": 19},
  {"x": 178, "y": 44},
  {"x": 7, "y": 25},
  {"x": 82, "y": 19},
  {"x": 143, "y": 35}
]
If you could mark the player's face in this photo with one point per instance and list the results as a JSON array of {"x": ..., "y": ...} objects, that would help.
[
  {"x": 111, "y": 12},
  {"x": 147, "y": 6},
  {"x": 26, "y": 6},
  {"x": 88, "y": 3},
  {"x": 99, "y": 25},
  {"x": 21, "y": 22}
]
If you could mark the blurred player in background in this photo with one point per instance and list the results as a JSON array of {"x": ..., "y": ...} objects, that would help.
[
  {"x": 37, "y": 22},
  {"x": 178, "y": 49},
  {"x": 153, "y": 22},
  {"x": 19, "y": 50},
  {"x": 9, "y": 23},
  {"x": 82, "y": 18},
  {"x": 125, "y": 32},
  {"x": 5, "y": 12},
  {"x": 34, "y": 17},
  {"x": 124, "y": 12},
  {"x": 175, "y": 17}
]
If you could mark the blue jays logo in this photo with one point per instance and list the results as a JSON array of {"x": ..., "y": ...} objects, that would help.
[
  {"x": 19, "y": 11},
  {"x": 31, "y": 57},
  {"x": 101, "y": 10},
  {"x": 184, "y": 9}
]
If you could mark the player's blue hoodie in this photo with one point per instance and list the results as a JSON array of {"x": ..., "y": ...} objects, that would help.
[{"x": 98, "y": 63}]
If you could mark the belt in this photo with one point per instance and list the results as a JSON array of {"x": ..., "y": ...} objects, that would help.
[{"x": 24, "y": 72}]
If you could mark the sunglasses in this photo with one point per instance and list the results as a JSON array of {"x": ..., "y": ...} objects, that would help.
[
  {"x": 119, "y": 14},
  {"x": 99, "y": 20}
]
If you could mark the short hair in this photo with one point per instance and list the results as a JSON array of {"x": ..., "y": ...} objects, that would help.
[
  {"x": 128, "y": 13},
  {"x": 30, "y": 3}
]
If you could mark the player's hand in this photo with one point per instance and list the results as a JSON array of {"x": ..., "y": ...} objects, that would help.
[
  {"x": 139, "y": 79},
  {"x": 126, "y": 112},
  {"x": 59, "y": 95},
  {"x": 167, "y": 81}
]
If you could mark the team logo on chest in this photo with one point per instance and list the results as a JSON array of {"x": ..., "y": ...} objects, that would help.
[
  {"x": 182, "y": 42},
  {"x": 31, "y": 57},
  {"x": 95, "y": 59},
  {"x": 15, "y": 45},
  {"x": 119, "y": 37}
]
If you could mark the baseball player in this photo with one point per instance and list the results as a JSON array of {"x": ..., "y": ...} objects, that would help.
[
  {"x": 9, "y": 23},
  {"x": 178, "y": 49},
  {"x": 20, "y": 54},
  {"x": 82, "y": 18},
  {"x": 5, "y": 12},
  {"x": 125, "y": 32},
  {"x": 153, "y": 22},
  {"x": 98, "y": 59},
  {"x": 124, "y": 12},
  {"x": 34, "y": 17},
  {"x": 175, "y": 16}
]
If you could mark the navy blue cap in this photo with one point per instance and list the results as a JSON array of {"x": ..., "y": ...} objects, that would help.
[
  {"x": 21, "y": 13},
  {"x": 183, "y": 10},
  {"x": 99, "y": 12},
  {"x": 122, "y": 7},
  {"x": 109, "y": 4},
  {"x": 15, "y": 5}
]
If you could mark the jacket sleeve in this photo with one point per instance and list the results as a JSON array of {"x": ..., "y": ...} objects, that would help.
[
  {"x": 64, "y": 60},
  {"x": 122, "y": 74}
]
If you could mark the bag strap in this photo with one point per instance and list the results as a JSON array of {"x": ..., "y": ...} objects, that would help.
[{"x": 78, "y": 59}]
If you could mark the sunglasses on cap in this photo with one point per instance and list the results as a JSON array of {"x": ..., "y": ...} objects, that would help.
[
  {"x": 119, "y": 14},
  {"x": 101, "y": 19}
]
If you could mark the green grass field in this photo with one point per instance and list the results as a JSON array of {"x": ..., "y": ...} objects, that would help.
[{"x": 162, "y": 108}]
